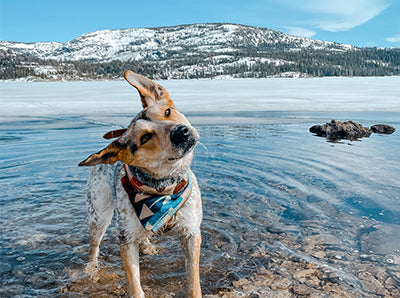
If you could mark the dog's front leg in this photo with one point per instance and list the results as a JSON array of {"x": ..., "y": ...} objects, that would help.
[
  {"x": 130, "y": 260},
  {"x": 191, "y": 249}
]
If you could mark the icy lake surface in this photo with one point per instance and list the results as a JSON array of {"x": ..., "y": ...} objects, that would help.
[{"x": 275, "y": 197}]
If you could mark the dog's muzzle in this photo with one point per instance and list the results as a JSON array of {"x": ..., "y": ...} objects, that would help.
[{"x": 181, "y": 137}]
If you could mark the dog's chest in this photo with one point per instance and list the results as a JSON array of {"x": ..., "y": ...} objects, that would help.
[{"x": 186, "y": 219}]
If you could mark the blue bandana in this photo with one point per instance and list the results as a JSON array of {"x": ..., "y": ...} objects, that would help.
[{"x": 155, "y": 207}]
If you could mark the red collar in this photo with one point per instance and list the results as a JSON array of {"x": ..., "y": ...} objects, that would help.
[{"x": 127, "y": 177}]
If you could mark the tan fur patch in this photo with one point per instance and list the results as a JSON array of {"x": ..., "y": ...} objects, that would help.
[{"x": 158, "y": 107}]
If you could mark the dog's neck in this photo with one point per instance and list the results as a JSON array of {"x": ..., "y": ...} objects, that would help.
[{"x": 150, "y": 181}]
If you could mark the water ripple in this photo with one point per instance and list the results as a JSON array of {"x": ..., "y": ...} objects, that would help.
[{"x": 271, "y": 191}]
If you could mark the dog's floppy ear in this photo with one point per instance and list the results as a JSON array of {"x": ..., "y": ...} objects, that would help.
[
  {"x": 107, "y": 155},
  {"x": 114, "y": 152},
  {"x": 149, "y": 91},
  {"x": 114, "y": 133}
]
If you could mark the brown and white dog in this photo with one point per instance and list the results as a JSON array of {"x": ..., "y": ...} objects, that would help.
[{"x": 154, "y": 153}]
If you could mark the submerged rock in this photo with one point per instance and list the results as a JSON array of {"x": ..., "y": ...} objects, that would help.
[
  {"x": 336, "y": 130},
  {"x": 383, "y": 129}
]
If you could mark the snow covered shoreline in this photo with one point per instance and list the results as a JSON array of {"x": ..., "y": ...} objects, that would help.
[{"x": 18, "y": 99}]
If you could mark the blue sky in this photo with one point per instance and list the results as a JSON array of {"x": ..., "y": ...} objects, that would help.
[{"x": 357, "y": 22}]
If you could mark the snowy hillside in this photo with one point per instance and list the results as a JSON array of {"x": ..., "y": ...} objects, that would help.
[
  {"x": 157, "y": 43},
  {"x": 192, "y": 51}
]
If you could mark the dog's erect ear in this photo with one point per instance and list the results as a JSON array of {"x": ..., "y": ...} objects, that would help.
[
  {"x": 149, "y": 91},
  {"x": 112, "y": 153}
]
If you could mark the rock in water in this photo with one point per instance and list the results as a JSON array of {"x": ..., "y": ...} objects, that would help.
[
  {"x": 336, "y": 130},
  {"x": 383, "y": 129}
]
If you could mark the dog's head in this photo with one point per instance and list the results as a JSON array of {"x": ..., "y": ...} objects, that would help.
[{"x": 159, "y": 140}]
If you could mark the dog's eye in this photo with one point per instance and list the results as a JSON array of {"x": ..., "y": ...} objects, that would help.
[
  {"x": 145, "y": 138},
  {"x": 167, "y": 112}
]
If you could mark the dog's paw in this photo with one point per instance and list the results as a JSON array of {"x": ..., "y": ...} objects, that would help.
[
  {"x": 92, "y": 271},
  {"x": 148, "y": 248}
]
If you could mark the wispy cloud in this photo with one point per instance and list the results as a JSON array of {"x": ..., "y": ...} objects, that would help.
[
  {"x": 395, "y": 38},
  {"x": 298, "y": 31},
  {"x": 341, "y": 15}
]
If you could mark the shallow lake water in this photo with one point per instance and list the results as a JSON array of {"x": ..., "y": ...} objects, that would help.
[{"x": 277, "y": 202}]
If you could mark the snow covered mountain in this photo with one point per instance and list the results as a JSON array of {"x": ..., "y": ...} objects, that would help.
[
  {"x": 192, "y": 51},
  {"x": 159, "y": 43}
]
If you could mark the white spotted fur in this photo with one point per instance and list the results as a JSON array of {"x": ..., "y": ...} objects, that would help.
[{"x": 105, "y": 194}]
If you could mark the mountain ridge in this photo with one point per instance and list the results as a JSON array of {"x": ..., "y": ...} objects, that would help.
[
  {"x": 118, "y": 42},
  {"x": 196, "y": 51}
]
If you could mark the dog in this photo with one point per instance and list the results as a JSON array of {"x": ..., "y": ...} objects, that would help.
[{"x": 144, "y": 174}]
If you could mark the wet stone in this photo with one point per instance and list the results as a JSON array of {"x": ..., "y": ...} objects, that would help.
[
  {"x": 382, "y": 129},
  {"x": 281, "y": 284},
  {"x": 336, "y": 130},
  {"x": 314, "y": 199},
  {"x": 301, "y": 290},
  {"x": 266, "y": 273},
  {"x": 320, "y": 254},
  {"x": 304, "y": 273},
  {"x": 372, "y": 284},
  {"x": 241, "y": 283},
  {"x": 390, "y": 283},
  {"x": 333, "y": 278},
  {"x": 375, "y": 239},
  {"x": 313, "y": 281}
]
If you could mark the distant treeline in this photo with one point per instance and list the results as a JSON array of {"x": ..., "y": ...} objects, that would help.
[{"x": 177, "y": 65}]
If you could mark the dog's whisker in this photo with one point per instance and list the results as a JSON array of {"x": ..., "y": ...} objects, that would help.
[{"x": 203, "y": 145}]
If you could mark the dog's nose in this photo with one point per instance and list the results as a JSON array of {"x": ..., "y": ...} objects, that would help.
[{"x": 180, "y": 135}]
